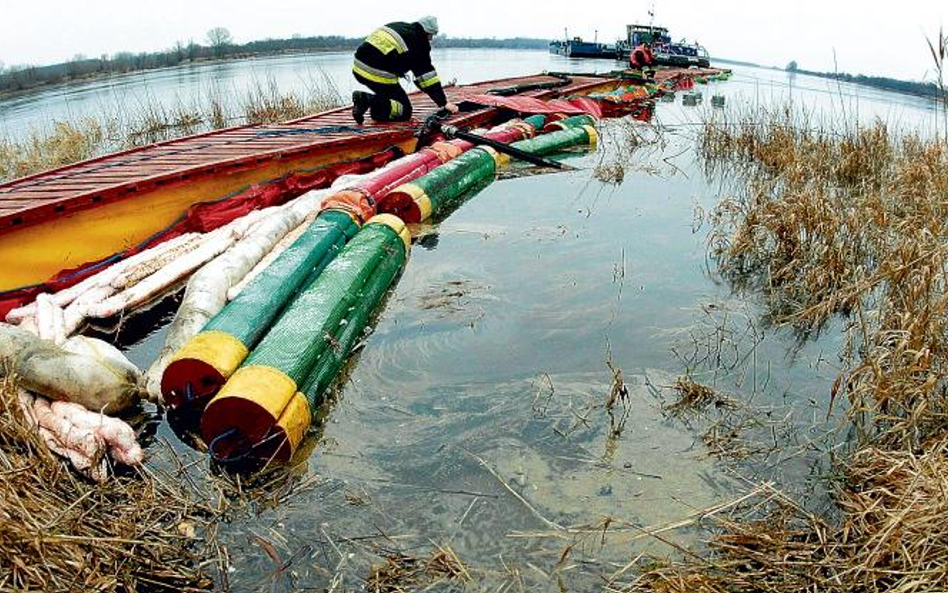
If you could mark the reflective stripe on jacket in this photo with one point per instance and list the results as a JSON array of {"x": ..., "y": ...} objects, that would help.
[{"x": 394, "y": 50}]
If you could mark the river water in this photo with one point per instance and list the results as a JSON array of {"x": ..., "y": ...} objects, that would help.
[{"x": 474, "y": 416}]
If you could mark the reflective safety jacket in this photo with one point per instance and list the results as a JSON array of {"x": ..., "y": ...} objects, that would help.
[{"x": 395, "y": 49}]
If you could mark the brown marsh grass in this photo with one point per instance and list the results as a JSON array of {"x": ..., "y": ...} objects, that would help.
[
  {"x": 59, "y": 532},
  {"x": 840, "y": 227},
  {"x": 851, "y": 226},
  {"x": 892, "y": 536},
  {"x": 64, "y": 143},
  {"x": 150, "y": 120}
]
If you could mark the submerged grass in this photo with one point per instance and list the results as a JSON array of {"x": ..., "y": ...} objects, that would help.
[
  {"x": 151, "y": 120},
  {"x": 403, "y": 572}
]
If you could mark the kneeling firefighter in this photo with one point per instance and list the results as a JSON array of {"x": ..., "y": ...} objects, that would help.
[{"x": 386, "y": 54}]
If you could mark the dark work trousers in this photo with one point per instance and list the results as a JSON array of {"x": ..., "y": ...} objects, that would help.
[{"x": 390, "y": 101}]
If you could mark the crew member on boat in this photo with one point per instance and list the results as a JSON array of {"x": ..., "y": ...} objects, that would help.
[
  {"x": 386, "y": 54},
  {"x": 641, "y": 57}
]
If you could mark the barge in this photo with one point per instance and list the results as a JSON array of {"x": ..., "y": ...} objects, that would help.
[{"x": 59, "y": 220}]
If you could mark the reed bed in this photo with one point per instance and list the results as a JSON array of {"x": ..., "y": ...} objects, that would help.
[
  {"x": 59, "y": 532},
  {"x": 892, "y": 537},
  {"x": 151, "y": 120},
  {"x": 839, "y": 226},
  {"x": 63, "y": 143},
  {"x": 851, "y": 225}
]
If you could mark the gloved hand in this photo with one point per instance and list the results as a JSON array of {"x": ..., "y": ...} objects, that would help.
[{"x": 446, "y": 111}]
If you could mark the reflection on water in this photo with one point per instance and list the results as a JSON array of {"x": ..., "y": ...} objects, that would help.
[{"x": 473, "y": 417}]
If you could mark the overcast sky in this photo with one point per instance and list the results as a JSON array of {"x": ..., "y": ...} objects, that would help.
[{"x": 866, "y": 37}]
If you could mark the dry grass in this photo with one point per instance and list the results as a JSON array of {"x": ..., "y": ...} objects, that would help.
[
  {"x": 59, "y": 532},
  {"x": 152, "y": 120},
  {"x": 853, "y": 225},
  {"x": 629, "y": 144},
  {"x": 64, "y": 143},
  {"x": 402, "y": 572},
  {"x": 694, "y": 397},
  {"x": 892, "y": 537},
  {"x": 833, "y": 224},
  {"x": 264, "y": 102}
]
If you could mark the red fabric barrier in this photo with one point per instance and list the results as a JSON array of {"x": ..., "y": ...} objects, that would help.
[
  {"x": 574, "y": 106},
  {"x": 204, "y": 217},
  {"x": 684, "y": 83}
]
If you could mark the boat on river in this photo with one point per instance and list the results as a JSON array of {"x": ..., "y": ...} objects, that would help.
[
  {"x": 666, "y": 52},
  {"x": 577, "y": 48}
]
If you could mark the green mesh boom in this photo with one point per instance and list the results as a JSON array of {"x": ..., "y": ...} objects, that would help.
[
  {"x": 454, "y": 178},
  {"x": 298, "y": 339},
  {"x": 249, "y": 315},
  {"x": 577, "y": 121},
  {"x": 554, "y": 141},
  {"x": 332, "y": 359},
  {"x": 537, "y": 121}
]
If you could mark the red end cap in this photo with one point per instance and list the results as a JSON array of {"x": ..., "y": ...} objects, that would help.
[
  {"x": 189, "y": 382},
  {"x": 401, "y": 205},
  {"x": 236, "y": 413}
]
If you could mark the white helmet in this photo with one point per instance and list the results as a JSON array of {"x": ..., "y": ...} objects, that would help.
[{"x": 429, "y": 24}]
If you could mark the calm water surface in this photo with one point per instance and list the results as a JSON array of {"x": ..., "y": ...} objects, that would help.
[{"x": 473, "y": 416}]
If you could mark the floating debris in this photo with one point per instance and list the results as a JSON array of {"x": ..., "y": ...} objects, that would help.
[{"x": 692, "y": 99}]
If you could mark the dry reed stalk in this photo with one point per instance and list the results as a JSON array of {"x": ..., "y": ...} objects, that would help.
[
  {"x": 852, "y": 224},
  {"x": 403, "y": 572},
  {"x": 64, "y": 143},
  {"x": 694, "y": 396}
]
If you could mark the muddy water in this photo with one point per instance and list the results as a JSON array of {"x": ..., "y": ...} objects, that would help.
[{"x": 474, "y": 417}]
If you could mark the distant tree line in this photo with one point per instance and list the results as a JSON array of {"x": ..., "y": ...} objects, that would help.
[
  {"x": 219, "y": 45},
  {"x": 924, "y": 89}
]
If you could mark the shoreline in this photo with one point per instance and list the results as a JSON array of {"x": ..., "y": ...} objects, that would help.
[{"x": 228, "y": 57}]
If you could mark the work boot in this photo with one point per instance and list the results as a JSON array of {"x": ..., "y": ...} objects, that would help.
[{"x": 361, "y": 101}]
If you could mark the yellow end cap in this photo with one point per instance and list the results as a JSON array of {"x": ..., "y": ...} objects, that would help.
[
  {"x": 268, "y": 387},
  {"x": 498, "y": 158},
  {"x": 424, "y": 207},
  {"x": 390, "y": 220},
  {"x": 405, "y": 235},
  {"x": 396, "y": 224},
  {"x": 593, "y": 135},
  {"x": 295, "y": 421},
  {"x": 219, "y": 349}
]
